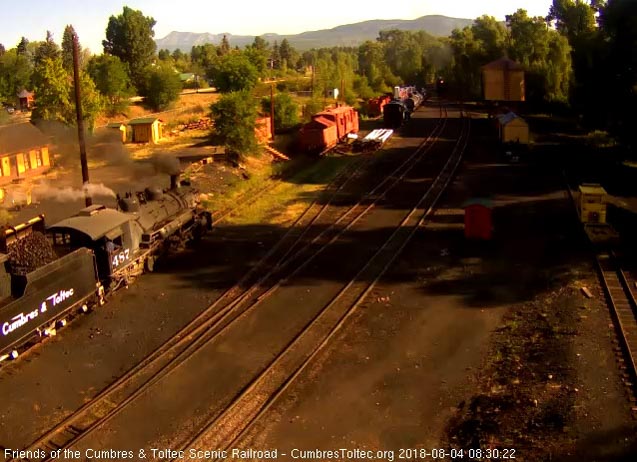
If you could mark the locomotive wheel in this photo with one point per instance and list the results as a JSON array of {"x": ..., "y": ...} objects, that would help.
[{"x": 149, "y": 264}]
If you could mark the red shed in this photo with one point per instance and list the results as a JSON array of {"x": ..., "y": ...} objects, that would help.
[{"x": 478, "y": 219}]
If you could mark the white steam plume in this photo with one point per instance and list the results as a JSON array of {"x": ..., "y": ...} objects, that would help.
[{"x": 71, "y": 194}]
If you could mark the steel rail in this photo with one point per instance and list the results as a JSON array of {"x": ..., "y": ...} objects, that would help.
[
  {"x": 195, "y": 327},
  {"x": 228, "y": 427}
]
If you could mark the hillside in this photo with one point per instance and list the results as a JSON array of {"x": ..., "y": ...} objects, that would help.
[{"x": 346, "y": 35}]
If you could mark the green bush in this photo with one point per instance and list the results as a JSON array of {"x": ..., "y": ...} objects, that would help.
[
  {"x": 286, "y": 111},
  {"x": 235, "y": 72},
  {"x": 312, "y": 107},
  {"x": 162, "y": 87},
  {"x": 235, "y": 116}
]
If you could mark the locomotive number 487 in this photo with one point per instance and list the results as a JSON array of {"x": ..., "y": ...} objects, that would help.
[{"x": 120, "y": 258}]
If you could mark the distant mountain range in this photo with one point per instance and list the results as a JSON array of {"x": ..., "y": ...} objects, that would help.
[{"x": 347, "y": 35}]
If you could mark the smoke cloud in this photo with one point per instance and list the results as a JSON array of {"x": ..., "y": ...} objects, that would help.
[
  {"x": 71, "y": 194},
  {"x": 166, "y": 164}
]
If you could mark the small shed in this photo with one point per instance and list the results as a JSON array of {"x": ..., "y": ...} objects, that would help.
[
  {"x": 147, "y": 129},
  {"x": 513, "y": 128},
  {"x": 26, "y": 99},
  {"x": 121, "y": 126},
  {"x": 503, "y": 80},
  {"x": 478, "y": 219},
  {"x": 592, "y": 203}
]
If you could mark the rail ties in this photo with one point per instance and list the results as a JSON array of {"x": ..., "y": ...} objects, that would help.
[
  {"x": 225, "y": 429},
  {"x": 214, "y": 319},
  {"x": 623, "y": 306}
]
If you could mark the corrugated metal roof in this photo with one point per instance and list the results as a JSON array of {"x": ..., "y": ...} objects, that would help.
[
  {"x": 96, "y": 225},
  {"x": 144, "y": 120},
  {"x": 115, "y": 124},
  {"x": 505, "y": 119},
  {"x": 20, "y": 137},
  {"x": 504, "y": 64},
  {"x": 25, "y": 94}
]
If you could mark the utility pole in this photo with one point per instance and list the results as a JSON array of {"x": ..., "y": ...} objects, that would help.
[
  {"x": 272, "y": 110},
  {"x": 80, "y": 120},
  {"x": 312, "y": 81}
]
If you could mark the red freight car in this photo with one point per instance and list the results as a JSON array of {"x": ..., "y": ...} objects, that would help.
[
  {"x": 375, "y": 105},
  {"x": 328, "y": 127},
  {"x": 318, "y": 135}
]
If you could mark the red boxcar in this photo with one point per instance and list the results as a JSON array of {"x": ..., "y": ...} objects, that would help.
[
  {"x": 318, "y": 135},
  {"x": 328, "y": 127},
  {"x": 375, "y": 105}
]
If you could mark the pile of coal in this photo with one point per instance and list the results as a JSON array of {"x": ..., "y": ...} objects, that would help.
[{"x": 30, "y": 253}]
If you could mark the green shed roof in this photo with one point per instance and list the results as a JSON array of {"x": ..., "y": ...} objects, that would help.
[{"x": 143, "y": 121}]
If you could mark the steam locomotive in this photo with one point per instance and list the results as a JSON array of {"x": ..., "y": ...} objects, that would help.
[
  {"x": 396, "y": 112},
  {"x": 46, "y": 280}
]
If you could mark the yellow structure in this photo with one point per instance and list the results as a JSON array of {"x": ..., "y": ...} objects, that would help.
[
  {"x": 121, "y": 127},
  {"x": 503, "y": 80},
  {"x": 592, "y": 204},
  {"x": 513, "y": 129},
  {"x": 23, "y": 152},
  {"x": 147, "y": 130}
]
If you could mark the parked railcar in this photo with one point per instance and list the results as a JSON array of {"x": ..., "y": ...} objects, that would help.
[
  {"x": 393, "y": 114},
  {"x": 327, "y": 128},
  {"x": 92, "y": 253}
]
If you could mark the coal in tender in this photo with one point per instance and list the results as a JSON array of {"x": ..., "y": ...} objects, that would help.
[{"x": 30, "y": 253}]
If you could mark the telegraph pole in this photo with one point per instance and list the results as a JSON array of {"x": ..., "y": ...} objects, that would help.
[
  {"x": 80, "y": 119},
  {"x": 272, "y": 110}
]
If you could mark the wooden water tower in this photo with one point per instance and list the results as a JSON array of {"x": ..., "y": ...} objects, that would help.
[{"x": 503, "y": 80}]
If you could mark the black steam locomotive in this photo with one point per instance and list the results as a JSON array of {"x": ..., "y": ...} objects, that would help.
[
  {"x": 398, "y": 110},
  {"x": 44, "y": 280}
]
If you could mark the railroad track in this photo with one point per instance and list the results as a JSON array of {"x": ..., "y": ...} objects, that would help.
[
  {"x": 225, "y": 430},
  {"x": 225, "y": 310},
  {"x": 620, "y": 290}
]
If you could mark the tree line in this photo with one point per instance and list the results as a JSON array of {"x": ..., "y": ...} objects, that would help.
[{"x": 579, "y": 57}]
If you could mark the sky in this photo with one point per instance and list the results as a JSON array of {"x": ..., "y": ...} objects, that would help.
[{"x": 32, "y": 18}]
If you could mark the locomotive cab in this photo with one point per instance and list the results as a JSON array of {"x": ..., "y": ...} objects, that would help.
[{"x": 106, "y": 231}]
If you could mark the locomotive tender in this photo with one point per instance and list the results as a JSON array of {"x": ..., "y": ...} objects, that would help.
[
  {"x": 97, "y": 251},
  {"x": 406, "y": 100}
]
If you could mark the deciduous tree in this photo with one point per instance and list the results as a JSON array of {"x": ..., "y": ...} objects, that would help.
[
  {"x": 286, "y": 111},
  {"x": 162, "y": 87},
  {"x": 235, "y": 116},
  {"x": 234, "y": 72},
  {"x": 110, "y": 77},
  {"x": 129, "y": 36}
]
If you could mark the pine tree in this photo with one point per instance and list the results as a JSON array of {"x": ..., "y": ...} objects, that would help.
[
  {"x": 22, "y": 46},
  {"x": 67, "y": 48},
  {"x": 224, "y": 47}
]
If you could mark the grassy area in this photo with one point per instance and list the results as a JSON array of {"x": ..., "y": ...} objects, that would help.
[{"x": 291, "y": 193}]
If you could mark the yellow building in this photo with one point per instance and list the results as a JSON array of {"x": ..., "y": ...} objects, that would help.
[
  {"x": 24, "y": 151},
  {"x": 513, "y": 128},
  {"x": 592, "y": 204},
  {"x": 121, "y": 127},
  {"x": 503, "y": 80},
  {"x": 147, "y": 130}
]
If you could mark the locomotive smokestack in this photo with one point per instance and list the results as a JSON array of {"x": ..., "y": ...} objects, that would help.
[{"x": 174, "y": 181}]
